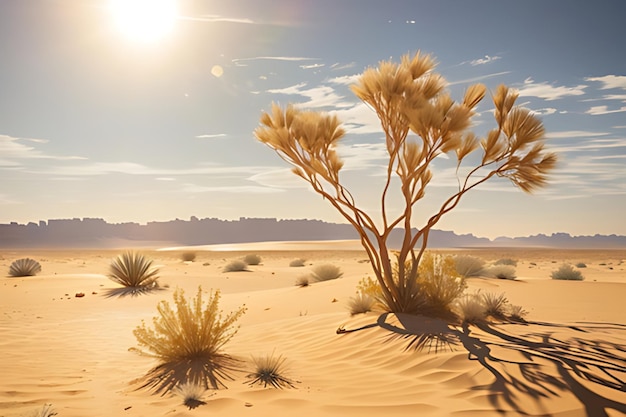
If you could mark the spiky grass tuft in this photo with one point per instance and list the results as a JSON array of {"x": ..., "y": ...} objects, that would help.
[
  {"x": 188, "y": 342},
  {"x": 326, "y": 272},
  {"x": 502, "y": 272},
  {"x": 24, "y": 267},
  {"x": 193, "y": 395},
  {"x": 471, "y": 309},
  {"x": 269, "y": 371},
  {"x": 496, "y": 305},
  {"x": 45, "y": 411},
  {"x": 134, "y": 271}
]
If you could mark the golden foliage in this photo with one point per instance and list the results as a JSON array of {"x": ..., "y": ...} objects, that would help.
[{"x": 188, "y": 342}]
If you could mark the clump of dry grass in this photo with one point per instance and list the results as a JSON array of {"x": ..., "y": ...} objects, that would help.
[
  {"x": 188, "y": 342},
  {"x": 25, "y": 267},
  {"x": 468, "y": 266},
  {"x": 188, "y": 256},
  {"x": 516, "y": 313},
  {"x": 506, "y": 261},
  {"x": 236, "y": 266},
  {"x": 297, "y": 263},
  {"x": 252, "y": 259},
  {"x": 568, "y": 273},
  {"x": 193, "y": 395},
  {"x": 361, "y": 303},
  {"x": 134, "y": 271},
  {"x": 303, "y": 281},
  {"x": 502, "y": 272},
  {"x": 326, "y": 272},
  {"x": 269, "y": 370},
  {"x": 471, "y": 309},
  {"x": 496, "y": 305}
]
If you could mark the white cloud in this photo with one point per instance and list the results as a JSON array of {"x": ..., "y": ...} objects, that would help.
[
  {"x": 482, "y": 61},
  {"x": 211, "y": 136},
  {"x": 567, "y": 134},
  {"x": 610, "y": 81},
  {"x": 337, "y": 66},
  {"x": 239, "y": 61},
  {"x": 322, "y": 96},
  {"x": 12, "y": 149},
  {"x": 279, "y": 178},
  {"x": 545, "y": 112},
  {"x": 599, "y": 110},
  {"x": 359, "y": 119},
  {"x": 312, "y": 66},
  {"x": 234, "y": 189},
  {"x": 549, "y": 92},
  {"x": 345, "y": 79},
  {"x": 482, "y": 77}
]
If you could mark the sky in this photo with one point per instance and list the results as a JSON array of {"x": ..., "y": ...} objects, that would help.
[{"x": 108, "y": 117}]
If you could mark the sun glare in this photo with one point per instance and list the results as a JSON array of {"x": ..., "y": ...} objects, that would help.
[{"x": 144, "y": 20}]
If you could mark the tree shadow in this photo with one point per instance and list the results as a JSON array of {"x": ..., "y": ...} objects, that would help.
[
  {"x": 530, "y": 361},
  {"x": 202, "y": 371}
]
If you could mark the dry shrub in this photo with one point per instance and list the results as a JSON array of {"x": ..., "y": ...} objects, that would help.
[
  {"x": 192, "y": 394},
  {"x": 297, "y": 263},
  {"x": 361, "y": 303},
  {"x": 24, "y": 267},
  {"x": 496, "y": 305},
  {"x": 471, "y": 309},
  {"x": 236, "y": 266},
  {"x": 302, "y": 281},
  {"x": 468, "y": 266},
  {"x": 371, "y": 287},
  {"x": 45, "y": 411},
  {"x": 252, "y": 259},
  {"x": 326, "y": 272},
  {"x": 581, "y": 265},
  {"x": 269, "y": 370},
  {"x": 188, "y": 256},
  {"x": 440, "y": 283},
  {"x": 506, "y": 261},
  {"x": 501, "y": 272},
  {"x": 568, "y": 273},
  {"x": 516, "y": 313},
  {"x": 188, "y": 343},
  {"x": 134, "y": 271}
]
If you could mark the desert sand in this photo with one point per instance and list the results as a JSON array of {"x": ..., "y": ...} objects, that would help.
[{"x": 568, "y": 359}]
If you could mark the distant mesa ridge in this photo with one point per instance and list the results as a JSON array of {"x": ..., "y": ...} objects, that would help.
[{"x": 97, "y": 233}]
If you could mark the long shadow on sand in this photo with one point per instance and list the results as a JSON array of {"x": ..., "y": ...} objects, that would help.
[
  {"x": 529, "y": 361},
  {"x": 130, "y": 291}
]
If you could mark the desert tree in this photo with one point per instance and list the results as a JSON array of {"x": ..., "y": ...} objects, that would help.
[{"x": 420, "y": 122}]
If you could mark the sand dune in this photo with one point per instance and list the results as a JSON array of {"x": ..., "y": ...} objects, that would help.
[{"x": 73, "y": 352}]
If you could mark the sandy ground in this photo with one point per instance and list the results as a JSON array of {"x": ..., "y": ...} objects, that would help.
[{"x": 73, "y": 352}]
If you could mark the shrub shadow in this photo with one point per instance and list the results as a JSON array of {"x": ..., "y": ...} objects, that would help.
[
  {"x": 130, "y": 291},
  {"x": 529, "y": 361},
  {"x": 209, "y": 374}
]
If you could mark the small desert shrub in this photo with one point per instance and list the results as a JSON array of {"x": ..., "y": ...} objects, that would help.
[
  {"x": 269, "y": 370},
  {"x": 188, "y": 256},
  {"x": 24, "y": 267},
  {"x": 581, "y": 265},
  {"x": 133, "y": 270},
  {"x": 45, "y": 411},
  {"x": 192, "y": 394},
  {"x": 471, "y": 308},
  {"x": 501, "y": 271},
  {"x": 468, "y": 266},
  {"x": 236, "y": 266},
  {"x": 361, "y": 303},
  {"x": 369, "y": 286},
  {"x": 297, "y": 262},
  {"x": 517, "y": 313},
  {"x": 302, "y": 281},
  {"x": 439, "y": 282},
  {"x": 568, "y": 273},
  {"x": 496, "y": 305},
  {"x": 506, "y": 261},
  {"x": 252, "y": 259},
  {"x": 326, "y": 272},
  {"x": 188, "y": 343}
]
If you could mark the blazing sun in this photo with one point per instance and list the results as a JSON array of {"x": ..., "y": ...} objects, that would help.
[{"x": 144, "y": 20}]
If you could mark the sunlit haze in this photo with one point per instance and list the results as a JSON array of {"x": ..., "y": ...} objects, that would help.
[{"x": 141, "y": 110}]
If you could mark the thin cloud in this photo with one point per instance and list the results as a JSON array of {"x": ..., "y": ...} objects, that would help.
[
  {"x": 312, "y": 66},
  {"x": 275, "y": 58},
  {"x": 482, "y": 77},
  {"x": 233, "y": 189},
  {"x": 567, "y": 134},
  {"x": 549, "y": 92},
  {"x": 599, "y": 110},
  {"x": 211, "y": 136},
  {"x": 486, "y": 60},
  {"x": 322, "y": 96},
  {"x": 610, "y": 81},
  {"x": 345, "y": 79},
  {"x": 337, "y": 66},
  {"x": 218, "y": 18},
  {"x": 12, "y": 149}
]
